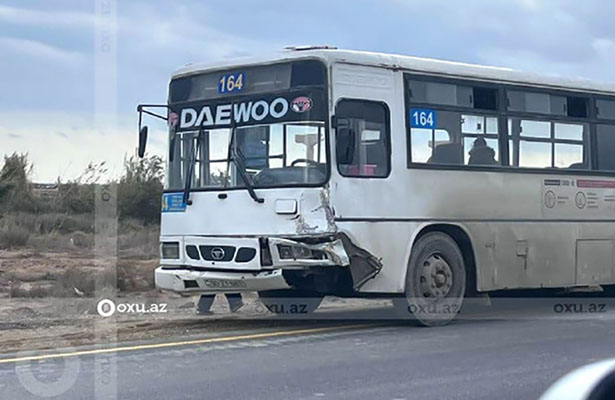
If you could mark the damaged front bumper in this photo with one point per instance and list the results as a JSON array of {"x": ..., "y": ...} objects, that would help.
[
  {"x": 190, "y": 281},
  {"x": 291, "y": 253},
  {"x": 197, "y": 272}
]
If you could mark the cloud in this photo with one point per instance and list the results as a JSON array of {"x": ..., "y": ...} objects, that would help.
[
  {"x": 37, "y": 49},
  {"x": 56, "y": 150},
  {"x": 23, "y": 16},
  {"x": 605, "y": 48},
  {"x": 566, "y": 37}
]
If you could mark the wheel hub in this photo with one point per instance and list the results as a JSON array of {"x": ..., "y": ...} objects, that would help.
[{"x": 436, "y": 277}]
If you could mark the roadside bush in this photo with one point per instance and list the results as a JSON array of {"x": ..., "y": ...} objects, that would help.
[
  {"x": 15, "y": 190},
  {"x": 11, "y": 237},
  {"x": 77, "y": 196},
  {"x": 140, "y": 189},
  {"x": 14, "y": 232}
]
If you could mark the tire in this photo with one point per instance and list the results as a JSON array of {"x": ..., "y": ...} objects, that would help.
[
  {"x": 435, "y": 281},
  {"x": 290, "y": 302}
]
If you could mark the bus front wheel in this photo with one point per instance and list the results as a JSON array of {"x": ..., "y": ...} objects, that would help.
[
  {"x": 290, "y": 302},
  {"x": 435, "y": 281}
]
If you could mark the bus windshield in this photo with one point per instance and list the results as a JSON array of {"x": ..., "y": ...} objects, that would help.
[
  {"x": 280, "y": 154},
  {"x": 253, "y": 126}
]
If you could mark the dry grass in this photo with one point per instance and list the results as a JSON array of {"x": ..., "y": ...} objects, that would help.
[
  {"x": 12, "y": 237},
  {"x": 52, "y": 255},
  {"x": 127, "y": 276}
]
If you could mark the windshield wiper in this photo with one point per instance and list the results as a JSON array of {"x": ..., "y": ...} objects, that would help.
[
  {"x": 240, "y": 161},
  {"x": 188, "y": 185},
  {"x": 235, "y": 154}
]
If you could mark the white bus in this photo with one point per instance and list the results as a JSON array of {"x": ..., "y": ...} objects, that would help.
[{"x": 330, "y": 172}]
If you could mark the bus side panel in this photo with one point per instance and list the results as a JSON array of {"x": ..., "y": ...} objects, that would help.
[
  {"x": 388, "y": 241},
  {"x": 523, "y": 255},
  {"x": 543, "y": 254}
]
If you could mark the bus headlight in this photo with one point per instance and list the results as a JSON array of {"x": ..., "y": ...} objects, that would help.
[
  {"x": 298, "y": 252},
  {"x": 169, "y": 250}
]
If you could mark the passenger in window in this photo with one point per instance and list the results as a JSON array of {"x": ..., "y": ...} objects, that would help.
[
  {"x": 481, "y": 154},
  {"x": 447, "y": 153}
]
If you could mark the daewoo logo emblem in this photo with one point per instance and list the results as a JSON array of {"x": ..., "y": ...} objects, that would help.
[
  {"x": 217, "y": 253},
  {"x": 301, "y": 104}
]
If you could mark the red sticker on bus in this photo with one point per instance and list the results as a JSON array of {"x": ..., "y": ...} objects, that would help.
[
  {"x": 301, "y": 104},
  {"x": 596, "y": 184}
]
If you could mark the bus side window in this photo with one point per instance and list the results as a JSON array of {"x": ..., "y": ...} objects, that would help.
[
  {"x": 363, "y": 139},
  {"x": 606, "y": 147},
  {"x": 440, "y": 145},
  {"x": 480, "y": 139},
  {"x": 547, "y": 144}
]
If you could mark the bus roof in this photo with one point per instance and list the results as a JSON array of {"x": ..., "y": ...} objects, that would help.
[{"x": 413, "y": 64}]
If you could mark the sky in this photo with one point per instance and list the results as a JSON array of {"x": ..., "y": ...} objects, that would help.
[{"x": 72, "y": 72}]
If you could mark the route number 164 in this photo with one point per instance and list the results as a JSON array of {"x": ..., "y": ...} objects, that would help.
[{"x": 423, "y": 118}]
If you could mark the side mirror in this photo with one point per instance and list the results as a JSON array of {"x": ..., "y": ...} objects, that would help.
[
  {"x": 344, "y": 142},
  {"x": 591, "y": 382},
  {"x": 142, "y": 141}
]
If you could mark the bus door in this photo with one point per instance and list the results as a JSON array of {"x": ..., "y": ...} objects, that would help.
[{"x": 365, "y": 103}]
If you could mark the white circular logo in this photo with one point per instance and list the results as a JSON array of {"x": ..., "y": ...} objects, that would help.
[
  {"x": 105, "y": 308},
  {"x": 217, "y": 253}
]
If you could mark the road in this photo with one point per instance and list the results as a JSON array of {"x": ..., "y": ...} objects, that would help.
[{"x": 508, "y": 358}]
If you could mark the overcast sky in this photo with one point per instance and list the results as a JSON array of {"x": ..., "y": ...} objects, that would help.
[{"x": 48, "y": 56}]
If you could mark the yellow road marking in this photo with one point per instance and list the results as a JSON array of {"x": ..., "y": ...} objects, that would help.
[{"x": 182, "y": 343}]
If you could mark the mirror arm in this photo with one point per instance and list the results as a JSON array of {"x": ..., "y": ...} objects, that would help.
[{"x": 141, "y": 108}]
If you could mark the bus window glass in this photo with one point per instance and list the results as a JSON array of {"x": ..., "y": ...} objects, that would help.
[
  {"x": 368, "y": 123},
  {"x": 302, "y": 141},
  {"x": 536, "y": 129},
  {"x": 451, "y": 94},
  {"x": 568, "y": 156},
  {"x": 458, "y": 139},
  {"x": 480, "y": 141},
  {"x": 472, "y": 124},
  {"x": 606, "y": 147},
  {"x": 539, "y": 103},
  {"x": 421, "y": 140},
  {"x": 531, "y": 144},
  {"x": 569, "y": 131},
  {"x": 481, "y": 151},
  {"x": 534, "y": 154},
  {"x": 441, "y": 93},
  {"x": 492, "y": 125},
  {"x": 606, "y": 109}
]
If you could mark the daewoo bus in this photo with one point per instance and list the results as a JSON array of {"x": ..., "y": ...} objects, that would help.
[{"x": 321, "y": 171}]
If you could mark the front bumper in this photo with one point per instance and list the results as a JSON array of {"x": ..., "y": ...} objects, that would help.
[{"x": 189, "y": 281}]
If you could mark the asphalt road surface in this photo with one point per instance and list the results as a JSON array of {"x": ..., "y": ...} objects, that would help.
[{"x": 507, "y": 358}]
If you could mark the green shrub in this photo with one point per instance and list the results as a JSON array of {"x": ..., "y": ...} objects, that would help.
[
  {"x": 15, "y": 190},
  {"x": 140, "y": 189}
]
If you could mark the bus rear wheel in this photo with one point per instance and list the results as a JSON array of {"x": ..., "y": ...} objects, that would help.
[
  {"x": 291, "y": 302},
  {"x": 435, "y": 282}
]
